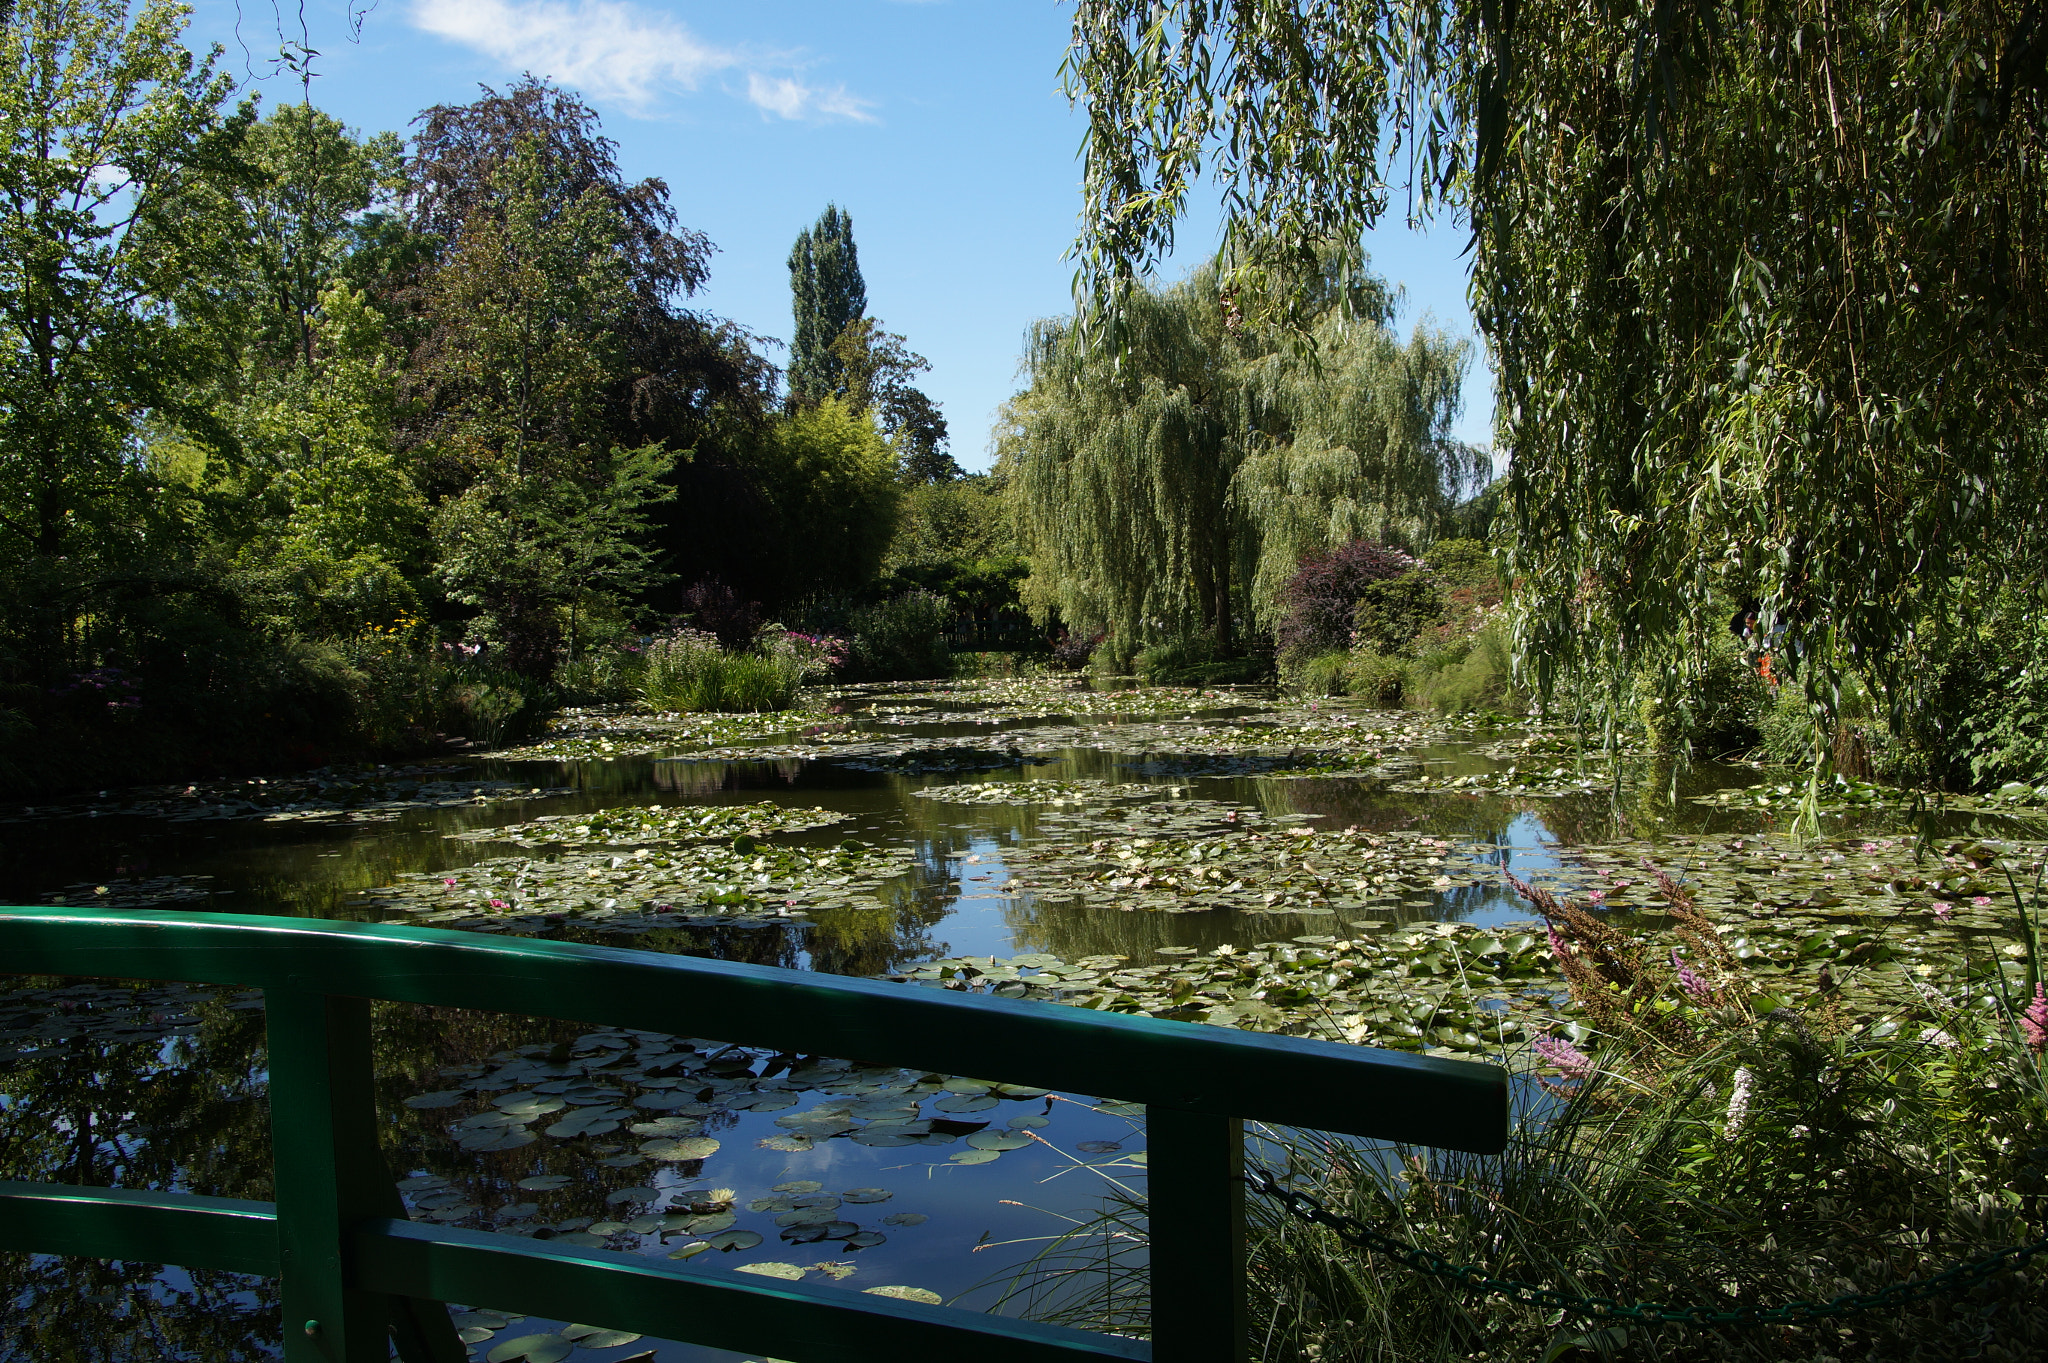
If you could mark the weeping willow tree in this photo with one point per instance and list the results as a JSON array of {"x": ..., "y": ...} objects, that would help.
[
  {"x": 1171, "y": 486},
  {"x": 1762, "y": 281}
]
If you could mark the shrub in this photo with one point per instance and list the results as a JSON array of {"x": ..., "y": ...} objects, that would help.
[
  {"x": 687, "y": 670},
  {"x": 605, "y": 674},
  {"x": 1071, "y": 651},
  {"x": 1462, "y": 674},
  {"x": 1318, "y": 602},
  {"x": 1464, "y": 563},
  {"x": 903, "y": 639},
  {"x": 1392, "y": 611},
  {"x": 1378, "y": 679},
  {"x": 717, "y": 609},
  {"x": 1719, "y": 707},
  {"x": 1198, "y": 660},
  {"x": 998, "y": 665},
  {"x": 1325, "y": 674}
]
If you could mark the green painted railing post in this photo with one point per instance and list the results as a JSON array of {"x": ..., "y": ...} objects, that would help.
[
  {"x": 330, "y": 1175},
  {"x": 1194, "y": 1194}
]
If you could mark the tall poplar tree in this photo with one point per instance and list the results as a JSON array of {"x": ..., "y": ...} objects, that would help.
[{"x": 827, "y": 295}]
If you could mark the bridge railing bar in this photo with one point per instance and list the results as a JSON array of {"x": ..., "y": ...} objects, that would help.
[{"x": 354, "y": 1273}]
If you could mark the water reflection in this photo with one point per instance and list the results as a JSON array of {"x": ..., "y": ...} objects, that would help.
[{"x": 183, "y": 1106}]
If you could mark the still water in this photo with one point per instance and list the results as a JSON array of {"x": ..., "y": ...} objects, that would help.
[{"x": 818, "y": 1166}]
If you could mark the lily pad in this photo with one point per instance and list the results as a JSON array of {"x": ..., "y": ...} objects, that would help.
[{"x": 925, "y": 1295}]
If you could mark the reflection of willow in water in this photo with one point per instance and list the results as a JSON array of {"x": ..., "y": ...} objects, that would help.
[{"x": 158, "y": 1111}]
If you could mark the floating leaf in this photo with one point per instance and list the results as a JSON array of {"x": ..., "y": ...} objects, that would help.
[
  {"x": 907, "y": 1294},
  {"x": 772, "y": 1269},
  {"x": 444, "y": 1098},
  {"x": 548, "y": 1348},
  {"x": 685, "y": 1148},
  {"x": 592, "y": 1337},
  {"x": 866, "y": 1195}
]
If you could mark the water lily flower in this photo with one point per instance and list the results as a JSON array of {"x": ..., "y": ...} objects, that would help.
[
  {"x": 449, "y": 881},
  {"x": 1597, "y": 896},
  {"x": 1982, "y": 901},
  {"x": 499, "y": 904},
  {"x": 1944, "y": 911}
]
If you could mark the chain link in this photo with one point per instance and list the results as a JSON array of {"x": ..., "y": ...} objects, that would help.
[{"x": 1356, "y": 1233}]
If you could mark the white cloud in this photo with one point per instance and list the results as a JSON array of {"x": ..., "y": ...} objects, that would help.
[
  {"x": 615, "y": 50},
  {"x": 793, "y": 99}
]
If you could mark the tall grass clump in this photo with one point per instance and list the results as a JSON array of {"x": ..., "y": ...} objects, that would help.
[
  {"x": 1694, "y": 1134},
  {"x": 690, "y": 670}
]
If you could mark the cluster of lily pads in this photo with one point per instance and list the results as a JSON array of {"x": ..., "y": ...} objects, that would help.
[
  {"x": 1539, "y": 782},
  {"x": 1294, "y": 870},
  {"x": 630, "y": 1100},
  {"x": 352, "y": 794},
  {"x": 1442, "y": 988},
  {"x": 125, "y": 892},
  {"x": 1894, "y": 933},
  {"x": 479, "y": 1327},
  {"x": 1041, "y": 695},
  {"x": 1844, "y": 793},
  {"x": 638, "y": 825},
  {"x": 744, "y": 883},
  {"x": 615, "y": 731},
  {"x": 34, "y": 1020}
]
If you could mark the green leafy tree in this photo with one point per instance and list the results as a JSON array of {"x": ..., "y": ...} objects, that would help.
[
  {"x": 527, "y": 307},
  {"x": 878, "y": 367},
  {"x": 104, "y": 124},
  {"x": 310, "y": 197},
  {"x": 1175, "y": 487},
  {"x": 832, "y": 483},
  {"x": 827, "y": 295},
  {"x": 553, "y": 275},
  {"x": 1763, "y": 284}
]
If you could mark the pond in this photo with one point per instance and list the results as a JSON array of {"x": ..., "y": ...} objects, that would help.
[{"x": 1223, "y": 857}]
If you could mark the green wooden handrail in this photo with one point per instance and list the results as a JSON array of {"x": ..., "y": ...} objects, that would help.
[{"x": 354, "y": 1273}]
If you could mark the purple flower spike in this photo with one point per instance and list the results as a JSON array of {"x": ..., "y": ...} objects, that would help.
[
  {"x": 2034, "y": 1022},
  {"x": 1559, "y": 1053}
]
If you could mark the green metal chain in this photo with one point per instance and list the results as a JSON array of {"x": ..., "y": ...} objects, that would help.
[{"x": 1356, "y": 1233}]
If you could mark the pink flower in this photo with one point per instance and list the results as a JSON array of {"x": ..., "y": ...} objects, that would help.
[
  {"x": 2034, "y": 1022},
  {"x": 448, "y": 882},
  {"x": 499, "y": 904},
  {"x": 1982, "y": 901},
  {"x": 1944, "y": 911},
  {"x": 1695, "y": 987},
  {"x": 1566, "y": 1058},
  {"x": 1597, "y": 896},
  {"x": 1557, "y": 946}
]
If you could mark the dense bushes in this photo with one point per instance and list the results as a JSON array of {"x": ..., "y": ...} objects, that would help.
[
  {"x": 1420, "y": 632},
  {"x": 1319, "y": 602},
  {"x": 903, "y": 639}
]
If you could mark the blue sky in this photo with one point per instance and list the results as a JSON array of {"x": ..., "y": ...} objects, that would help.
[{"x": 937, "y": 123}]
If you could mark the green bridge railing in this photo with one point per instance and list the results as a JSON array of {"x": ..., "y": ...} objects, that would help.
[{"x": 356, "y": 1276}]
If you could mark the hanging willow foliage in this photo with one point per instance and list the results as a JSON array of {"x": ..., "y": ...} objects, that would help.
[
  {"x": 1173, "y": 486},
  {"x": 1763, "y": 281}
]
